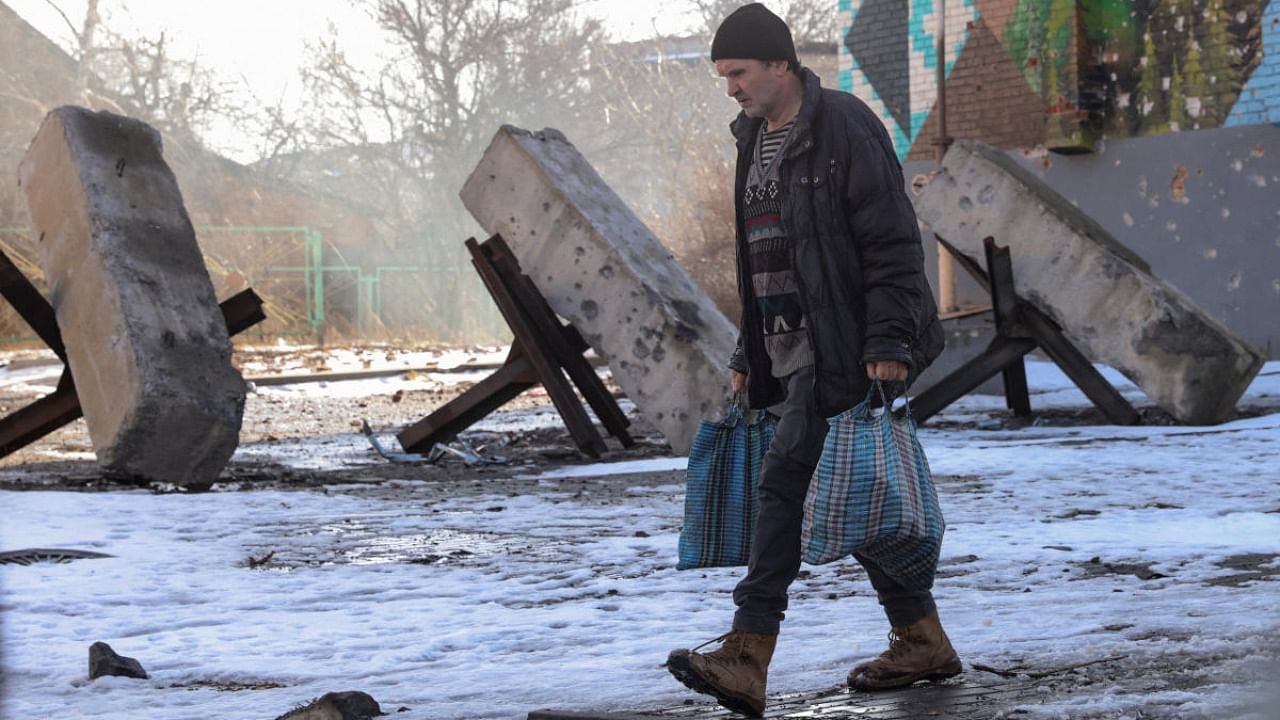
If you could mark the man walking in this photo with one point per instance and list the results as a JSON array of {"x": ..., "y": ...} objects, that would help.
[{"x": 831, "y": 274}]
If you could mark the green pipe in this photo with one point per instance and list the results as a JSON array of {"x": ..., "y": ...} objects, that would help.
[
  {"x": 252, "y": 228},
  {"x": 208, "y": 228},
  {"x": 369, "y": 293},
  {"x": 308, "y": 268},
  {"x": 315, "y": 255},
  {"x": 377, "y": 274},
  {"x": 368, "y": 285}
]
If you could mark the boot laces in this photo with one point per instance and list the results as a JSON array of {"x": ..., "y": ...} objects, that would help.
[
  {"x": 898, "y": 643},
  {"x": 727, "y": 638}
]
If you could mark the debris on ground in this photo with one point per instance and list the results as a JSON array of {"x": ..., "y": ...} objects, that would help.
[{"x": 104, "y": 661}]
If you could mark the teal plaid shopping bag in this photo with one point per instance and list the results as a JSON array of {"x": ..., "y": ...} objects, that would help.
[
  {"x": 722, "y": 497},
  {"x": 872, "y": 494}
]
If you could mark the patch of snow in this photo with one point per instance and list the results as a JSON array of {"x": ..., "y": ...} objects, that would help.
[{"x": 558, "y": 598}]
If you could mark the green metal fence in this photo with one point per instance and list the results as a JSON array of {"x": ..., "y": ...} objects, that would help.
[{"x": 317, "y": 272}]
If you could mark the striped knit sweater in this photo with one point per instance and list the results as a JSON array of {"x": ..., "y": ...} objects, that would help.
[{"x": 773, "y": 277}]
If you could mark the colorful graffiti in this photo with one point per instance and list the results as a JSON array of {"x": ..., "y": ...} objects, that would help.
[
  {"x": 1180, "y": 65},
  {"x": 1062, "y": 72},
  {"x": 1259, "y": 101},
  {"x": 889, "y": 57}
]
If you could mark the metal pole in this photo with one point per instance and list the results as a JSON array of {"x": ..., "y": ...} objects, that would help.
[
  {"x": 366, "y": 310},
  {"x": 943, "y": 142},
  {"x": 946, "y": 268},
  {"x": 315, "y": 255}
]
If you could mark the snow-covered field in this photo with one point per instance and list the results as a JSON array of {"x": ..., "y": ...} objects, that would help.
[{"x": 1065, "y": 544}]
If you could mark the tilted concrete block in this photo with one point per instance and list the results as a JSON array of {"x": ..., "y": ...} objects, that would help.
[
  {"x": 603, "y": 270},
  {"x": 1102, "y": 294},
  {"x": 145, "y": 338}
]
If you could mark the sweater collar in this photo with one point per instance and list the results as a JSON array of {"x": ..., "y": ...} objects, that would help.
[{"x": 745, "y": 128}]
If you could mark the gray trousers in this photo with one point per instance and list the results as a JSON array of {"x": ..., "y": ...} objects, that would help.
[{"x": 761, "y": 597}]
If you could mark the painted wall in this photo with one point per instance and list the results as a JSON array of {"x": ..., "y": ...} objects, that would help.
[
  {"x": 1062, "y": 73},
  {"x": 1200, "y": 207}
]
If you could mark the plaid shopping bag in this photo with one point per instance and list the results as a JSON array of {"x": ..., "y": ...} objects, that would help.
[
  {"x": 722, "y": 497},
  {"x": 872, "y": 494}
]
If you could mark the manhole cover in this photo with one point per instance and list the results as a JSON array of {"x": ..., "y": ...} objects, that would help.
[{"x": 50, "y": 555}]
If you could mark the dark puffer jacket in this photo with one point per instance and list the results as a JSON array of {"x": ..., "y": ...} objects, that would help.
[{"x": 857, "y": 252}]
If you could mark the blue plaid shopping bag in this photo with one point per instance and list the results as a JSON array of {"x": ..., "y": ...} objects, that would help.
[
  {"x": 872, "y": 494},
  {"x": 722, "y": 497}
]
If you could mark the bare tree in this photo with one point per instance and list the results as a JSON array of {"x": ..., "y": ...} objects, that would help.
[
  {"x": 460, "y": 69},
  {"x": 141, "y": 76},
  {"x": 84, "y": 36},
  {"x": 177, "y": 95},
  {"x": 93, "y": 65},
  {"x": 812, "y": 22},
  {"x": 409, "y": 132}
]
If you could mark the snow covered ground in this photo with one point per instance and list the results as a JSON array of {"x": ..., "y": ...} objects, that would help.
[{"x": 1065, "y": 544}]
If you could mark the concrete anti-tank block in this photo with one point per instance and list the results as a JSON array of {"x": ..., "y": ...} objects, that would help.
[
  {"x": 603, "y": 270},
  {"x": 1102, "y": 294},
  {"x": 145, "y": 338}
]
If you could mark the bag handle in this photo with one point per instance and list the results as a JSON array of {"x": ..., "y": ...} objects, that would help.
[
  {"x": 736, "y": 409},
  {"x": 877, "y": 386}
]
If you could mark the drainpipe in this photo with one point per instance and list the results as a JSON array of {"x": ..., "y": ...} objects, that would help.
[{"x": 946, "y": 266}]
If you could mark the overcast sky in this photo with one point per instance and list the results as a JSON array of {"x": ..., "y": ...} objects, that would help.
[
  {"x": 263, "y": 41},
  {"x": 265, "y": 37}
]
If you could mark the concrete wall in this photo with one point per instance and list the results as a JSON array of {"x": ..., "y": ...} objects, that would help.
[
  {"x": 1126, "y": 80},
  {"x": 1200, "y": 207}
]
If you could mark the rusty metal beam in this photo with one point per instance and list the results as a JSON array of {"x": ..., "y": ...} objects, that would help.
[
  {"x": 544, "y": 350},
  {"x": 537, "y": 347},
  {"x": 31, "y": 305},
  {"x": 242, "y": 311},
  {"x": 460, "y": 413},
  {"x": 564, "y": 340},
  {"x": 1020, "y": 328},
  {"x": 62, "y": 407},
  {"x": 999, "y": 355},
  {"x": 49, "y": 413}
]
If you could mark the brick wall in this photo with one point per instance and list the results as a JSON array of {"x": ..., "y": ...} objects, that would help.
[
  {"x": 1259, "y": 102},
  {"x": 1062, "y": 73}
]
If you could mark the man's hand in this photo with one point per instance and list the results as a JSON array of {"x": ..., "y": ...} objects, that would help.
[
  {"x": 737, "y": 381},
  {"x": 887, "y": 370}
]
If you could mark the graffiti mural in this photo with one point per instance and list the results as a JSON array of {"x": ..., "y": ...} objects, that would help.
[
  {"x": 1062, "y": 73},
  {"x": 1259, "y": 101},
  {"x": 1177, "y": 64},
  {"x": 889, "y": 57}
]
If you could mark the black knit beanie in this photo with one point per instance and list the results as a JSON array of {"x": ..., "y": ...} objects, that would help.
[{"x": 752, "y": 32}]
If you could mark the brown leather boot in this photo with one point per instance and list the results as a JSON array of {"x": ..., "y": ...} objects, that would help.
[
  {"x": 735, "y": 674},
  {"x": 920, "y": 651}
]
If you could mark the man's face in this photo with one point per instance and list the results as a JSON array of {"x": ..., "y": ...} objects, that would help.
[{"x": 755, "y": 84}]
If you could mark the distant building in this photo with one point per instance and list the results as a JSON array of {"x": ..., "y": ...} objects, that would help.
[{"x": 696, "y": 49}]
